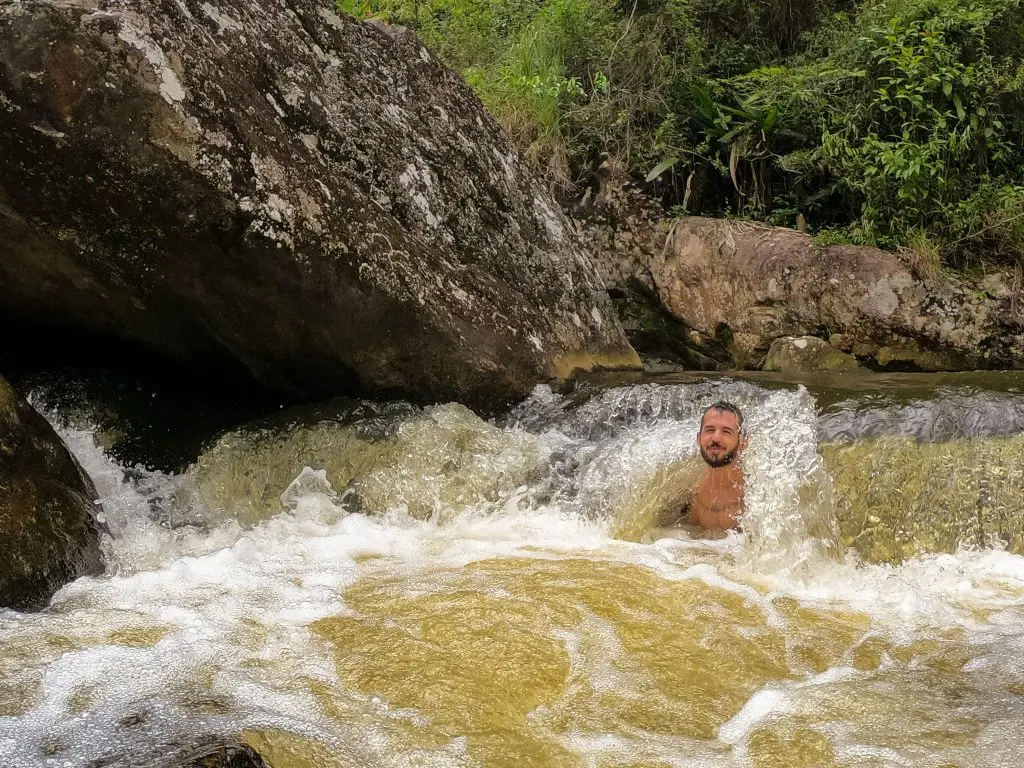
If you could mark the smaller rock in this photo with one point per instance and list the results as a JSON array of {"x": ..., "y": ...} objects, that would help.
[
  {"x": 807, "y": 354},
  {"x": 48, "y": 509}
]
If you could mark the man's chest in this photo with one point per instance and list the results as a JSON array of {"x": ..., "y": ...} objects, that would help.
[{"x": 716, "y": 507}]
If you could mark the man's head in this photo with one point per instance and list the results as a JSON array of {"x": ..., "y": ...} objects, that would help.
[{"x": 721, "y": 436}]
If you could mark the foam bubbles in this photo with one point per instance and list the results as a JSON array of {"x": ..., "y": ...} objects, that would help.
[{"x": 204, "y": 625}]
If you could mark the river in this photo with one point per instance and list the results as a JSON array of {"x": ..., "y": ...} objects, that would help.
[{"x": 387, "y": 585}]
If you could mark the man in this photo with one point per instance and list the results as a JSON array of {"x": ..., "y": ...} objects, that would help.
[{"x": 716, "y": 503}]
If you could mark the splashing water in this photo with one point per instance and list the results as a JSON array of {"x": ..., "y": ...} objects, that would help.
[{"x": 422, "y": 588}]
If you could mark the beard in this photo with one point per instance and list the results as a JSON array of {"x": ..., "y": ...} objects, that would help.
[{"x": 715, "y": 463}]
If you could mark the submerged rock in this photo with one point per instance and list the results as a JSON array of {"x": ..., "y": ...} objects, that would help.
[
  {"x": 314, "y": 199},
  {"x": 434, "y": 463},
  {"x": 224, "y": 756},
  {"x": 207, "y": 752},
  {"x": 48, "y": 509},
  {"x": 266, "y": 747},
  {"x": 897, "y": 497}
]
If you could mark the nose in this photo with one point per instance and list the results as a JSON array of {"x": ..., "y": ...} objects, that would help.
[{"x": 715, "y": 440}]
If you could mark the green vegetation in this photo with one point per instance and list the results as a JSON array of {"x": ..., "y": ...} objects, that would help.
[{"x": 887, "y": 122}]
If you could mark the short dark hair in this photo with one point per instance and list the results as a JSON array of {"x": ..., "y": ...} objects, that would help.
[{"x": 726, "y": 407}]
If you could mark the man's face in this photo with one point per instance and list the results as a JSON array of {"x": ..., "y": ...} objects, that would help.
[{"x": 719, "y": 437}]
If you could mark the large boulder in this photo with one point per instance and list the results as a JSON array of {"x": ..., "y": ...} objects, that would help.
[
  {"x": 749, "y": 284},
  {"x": 270, "y": 183},
  {"x": 48, "y": 509}
]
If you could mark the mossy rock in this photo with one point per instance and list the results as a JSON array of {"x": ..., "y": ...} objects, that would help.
[{"x": 807, "y": 354}]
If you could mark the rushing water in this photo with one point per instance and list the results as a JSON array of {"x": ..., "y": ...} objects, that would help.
[{"x": 397, "y": 586}]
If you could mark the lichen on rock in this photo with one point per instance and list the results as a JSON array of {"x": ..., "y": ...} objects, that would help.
[{"x": 312, "y": 198}]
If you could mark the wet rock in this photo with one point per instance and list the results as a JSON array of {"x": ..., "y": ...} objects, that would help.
[
  {"x": 48, "y": 509},
  {"x": 207, "y": 752},
  {"x": 807, "y": 354},
  {"x": 312, "y": 198},
  {"x": 230, "y": 756},
  {"x": 753, "y": 284},
  {"x": 266, "y": 747},
  {"x": 908, "y": 355}
]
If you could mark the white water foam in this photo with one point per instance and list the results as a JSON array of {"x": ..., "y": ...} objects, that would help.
[{"x": 233, "y": 607}]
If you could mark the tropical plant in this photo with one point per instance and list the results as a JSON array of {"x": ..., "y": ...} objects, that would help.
[{"x": 892, "y": 122}]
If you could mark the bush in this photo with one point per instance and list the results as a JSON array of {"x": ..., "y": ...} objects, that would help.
[
  {"x": 891, "y": 122},
  {"x": 912, "y": 117}
]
